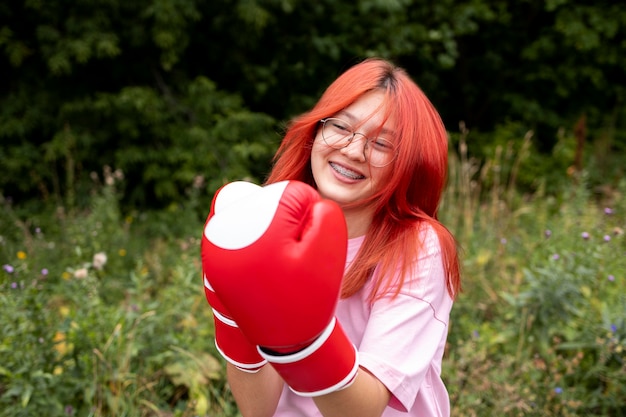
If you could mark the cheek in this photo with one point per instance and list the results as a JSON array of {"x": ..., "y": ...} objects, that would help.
[
  {"x": 318, "y": 153},
  {"x": 319, "y": 150},
  {"x": 380, "y": 177}
]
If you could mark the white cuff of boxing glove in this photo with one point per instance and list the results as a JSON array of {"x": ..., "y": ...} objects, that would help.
[
  {"x": 239, "y": 346},
  {"x": 330, "y": 359}
]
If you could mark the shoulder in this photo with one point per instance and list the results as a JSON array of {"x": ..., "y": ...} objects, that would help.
[
  {"x": 419, "y": 268},
  {"x": 429, "y": 240}
]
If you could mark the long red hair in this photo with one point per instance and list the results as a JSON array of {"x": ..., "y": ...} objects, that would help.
[{"x": 415, "y": 184}]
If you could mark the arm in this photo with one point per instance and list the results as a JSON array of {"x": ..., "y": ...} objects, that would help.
[
  {"x": 257, "y": 393},
  {"x": 366, "y": 397}
]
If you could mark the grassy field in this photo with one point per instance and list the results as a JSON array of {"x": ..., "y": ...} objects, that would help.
[{"x": 103, "y": 313}]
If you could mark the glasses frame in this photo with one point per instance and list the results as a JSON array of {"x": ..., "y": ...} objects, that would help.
[{"x": 349, "y": 141}]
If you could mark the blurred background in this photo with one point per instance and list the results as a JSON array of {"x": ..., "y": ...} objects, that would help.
[{"x": 120, "y": 119}]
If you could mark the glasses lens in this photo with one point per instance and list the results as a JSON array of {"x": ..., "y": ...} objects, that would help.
[
  {"x": 336, "y": 133},
  {"x": 380, "y": 152}
]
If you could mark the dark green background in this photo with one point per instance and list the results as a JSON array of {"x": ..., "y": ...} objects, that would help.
[{"x": 167, "y": 90}]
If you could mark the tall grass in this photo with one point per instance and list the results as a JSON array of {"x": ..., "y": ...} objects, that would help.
[
  {"x": 103, "y": 315},
  {"x": 540, "y": 329},
  {"x": 102, "y": 312}
]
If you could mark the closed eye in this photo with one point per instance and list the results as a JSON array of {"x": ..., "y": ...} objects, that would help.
[
  {"x": 339, "y": 125},
  {"x": 382, "y": 145}
]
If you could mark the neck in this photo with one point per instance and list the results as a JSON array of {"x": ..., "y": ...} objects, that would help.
[{"x": 358, "y": 221}]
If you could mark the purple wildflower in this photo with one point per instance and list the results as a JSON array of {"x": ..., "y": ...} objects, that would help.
[
  {"x": 558, "y": 390},
  {"x": 611, "y": 278},
  {"x": 556, "y": 257},
  {"x": 14, "y": 285},
  {"x": 584, "y": 235},
  {"x": 8, "y": 268},
  {"x": 547, "y": 233},
  {"x": 608, "y": 211},
  {"x": 613, "y": 328},
  {"x": 44, "y": 271},
  {"x": 607, "y": 238}
]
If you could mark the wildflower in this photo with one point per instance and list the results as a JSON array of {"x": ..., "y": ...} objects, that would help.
[
  {"x": 121, "y": 252},
  {"x": 613, "y": 328},
  {"x": 547, "y": 233},
  {"x": 611, "y": 278},
  {"x": 14, "y": 285},
  {"x": 80, "y": 273},
  {"x": 475, "y": 334},
  {"x": 37, "y": 230},
  {"x": 556, "y": 257},
  {"x": 108, "y": 175},
  {"x": 118, "y": 174},
  {"x": 64, "y": 311},
  {"x": 607, "y": 238},
  {"x": 69, "y": 410},
  {"x": 558, "y": 390},
  {"x": 8, "y": 268},
  {"x": 21, "y": 255},
  {"x": 584, "y": 235},
  {"x": 99, "y": 259},
  {"x": 44, "y": 272},
  {"x": 60, "y": 344},
  {"x": 503, "y": 241},
  {"x": 608, "y": 211},
  {"x": 198, "y": 181},
  {"x": 66, "y": 275}
]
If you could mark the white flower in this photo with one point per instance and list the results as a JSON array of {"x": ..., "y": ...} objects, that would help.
[
  {"x": 81, "y": 273},
  {"x": 99, "y": 259}
]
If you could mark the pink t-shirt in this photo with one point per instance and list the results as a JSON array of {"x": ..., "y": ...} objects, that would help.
[{"x": 401, "y": 341}]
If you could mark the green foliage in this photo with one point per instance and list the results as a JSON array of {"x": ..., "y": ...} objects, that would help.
[
  {"x": 539, "y": 329},
  {"x": 99, "y": 321},
  {"x": 114, "y": 92},
  {"x": 170, "y": 90}
]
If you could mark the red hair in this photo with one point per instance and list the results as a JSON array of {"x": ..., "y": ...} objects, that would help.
[{"x": 415, "y": 184}]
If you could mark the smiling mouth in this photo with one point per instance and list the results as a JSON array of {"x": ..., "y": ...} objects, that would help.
[{"x": 346, "y": 172}]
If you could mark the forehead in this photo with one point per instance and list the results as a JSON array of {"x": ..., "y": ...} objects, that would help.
[{"x": 370, "y": 112}]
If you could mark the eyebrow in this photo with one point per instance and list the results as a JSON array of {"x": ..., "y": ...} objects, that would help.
[{"x": 354, "y": 120}]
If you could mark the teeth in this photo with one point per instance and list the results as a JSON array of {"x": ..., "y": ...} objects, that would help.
[{"x": 346, "y": 172}]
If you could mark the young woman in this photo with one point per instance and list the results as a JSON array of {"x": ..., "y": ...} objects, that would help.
[{"x": 375, "y": 145}]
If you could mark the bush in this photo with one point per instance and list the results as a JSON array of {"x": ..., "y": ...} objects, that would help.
[
  {"x": 99, "y": 321},
  {"x": 540, "y": 328}
]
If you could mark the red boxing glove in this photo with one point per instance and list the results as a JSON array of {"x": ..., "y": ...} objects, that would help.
[
  {"x": 275, "y": 257},
  {"x": 229, "y": 340}
]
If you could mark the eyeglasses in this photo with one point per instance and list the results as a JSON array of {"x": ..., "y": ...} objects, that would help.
[{"x": 338, "y": 134}]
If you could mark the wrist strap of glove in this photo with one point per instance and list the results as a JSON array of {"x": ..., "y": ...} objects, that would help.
[{"x": 329, "y": 364}]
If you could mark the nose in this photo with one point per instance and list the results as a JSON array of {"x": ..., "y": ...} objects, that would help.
[{"x": 356, "y": 148}]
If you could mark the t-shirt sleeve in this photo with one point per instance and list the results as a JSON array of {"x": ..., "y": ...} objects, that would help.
[{"x": 405, "y": 335}]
